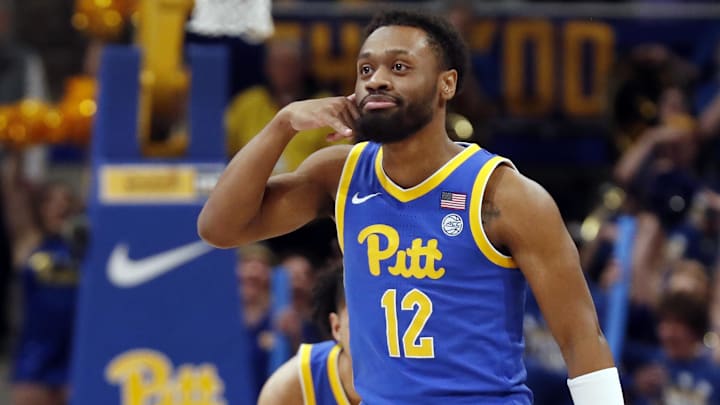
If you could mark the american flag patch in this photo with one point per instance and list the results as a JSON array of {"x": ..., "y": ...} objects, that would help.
[{"x": 452, "y": 201}]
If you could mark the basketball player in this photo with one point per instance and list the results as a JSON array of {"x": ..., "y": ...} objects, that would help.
[
  {"x": 439, "y": 238},
  {"x": 320, "y": 373}
]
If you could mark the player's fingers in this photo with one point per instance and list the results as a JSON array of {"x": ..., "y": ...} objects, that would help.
[
  {"x": 351, "y": 97},
  {"x": 339, "y": 126},
  {"x": 352, "y": 108},
  {"x": 348, "y": 118},
  {"x": 336, "y": 136}
]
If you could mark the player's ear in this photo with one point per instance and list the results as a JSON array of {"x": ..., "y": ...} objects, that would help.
[
  {"x": 334, "y": 325},
  {"x": 448, "y": 84}
]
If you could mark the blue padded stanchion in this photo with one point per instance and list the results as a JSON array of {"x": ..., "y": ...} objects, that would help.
[
  {"x": 618, "y": 297},
  {"x": 282, "y": 295},
  {"x": 159, "y": 319}
]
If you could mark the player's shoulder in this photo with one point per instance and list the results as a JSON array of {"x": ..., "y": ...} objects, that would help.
[
  {"x": 509, "y": 188},
  {"x": 517, "y": 210},
  {"x": 284, "y": 386}
]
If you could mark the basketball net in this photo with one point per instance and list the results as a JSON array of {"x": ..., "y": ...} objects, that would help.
[{"x": 249, "y": 19}]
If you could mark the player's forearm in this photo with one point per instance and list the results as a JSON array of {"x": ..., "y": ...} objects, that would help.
[
  {"x": 587, "y": 353},
  {"x": 593, "y": 377},
  {"x": 237, "y": 197}
]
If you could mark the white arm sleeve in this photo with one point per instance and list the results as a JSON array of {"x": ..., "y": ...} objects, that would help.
[{"x": 600, "y": 387}]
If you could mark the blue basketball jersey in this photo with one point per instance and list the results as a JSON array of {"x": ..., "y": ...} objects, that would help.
[
  {"x": 319, "y": 375},
  {"x": 435, "y": 310}
]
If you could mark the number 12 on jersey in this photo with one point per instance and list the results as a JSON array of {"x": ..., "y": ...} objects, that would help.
[{"x": 414, "y": 346}]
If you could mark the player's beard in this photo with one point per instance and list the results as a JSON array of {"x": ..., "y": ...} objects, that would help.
[{"x": 397, "y": 123}]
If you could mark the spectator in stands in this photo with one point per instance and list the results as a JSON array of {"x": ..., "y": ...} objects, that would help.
[
  {"x": 667, "y": 143},
  {"x": 643, "y": 76},
  {"x": 657, "y": 173},
  {"x": 682, "y": 372},
  {"x": 254, "y": 268},
  {"x": 296, "y": 321},
  {"x": 689, "y": 277},
  {"x": 287, "y": 81},
  {"x": 22, "y": 76},
  {"x": 49, "y": 284},
  {"x": 707, "y": 105},
  {"x": 707, "y": 100}
]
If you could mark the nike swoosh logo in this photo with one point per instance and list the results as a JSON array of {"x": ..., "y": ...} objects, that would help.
[
  {"x": 359, "y": 200},
  {"x": 125, "y": 272}
]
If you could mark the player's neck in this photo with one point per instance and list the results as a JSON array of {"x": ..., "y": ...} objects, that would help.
[
  {"x": 414, "y": 159},
  {"x": 346, "y": 378}
]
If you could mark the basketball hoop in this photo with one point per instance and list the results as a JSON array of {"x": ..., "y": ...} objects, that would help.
[{"x": 249, "y": 19}]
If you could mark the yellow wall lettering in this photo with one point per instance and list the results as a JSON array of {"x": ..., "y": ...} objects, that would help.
[
  {"x": 482, "y": 36},
  {"x": 518, "y": 34},
  {"x": 329, "y": 68},
  {"x": 417, "y": 250},
  {"x": 554, "y": 84},
  {"x": 287, "y": 30},
  {"x": 602, "y": 41},
  {"x": 146, "y": 376}
]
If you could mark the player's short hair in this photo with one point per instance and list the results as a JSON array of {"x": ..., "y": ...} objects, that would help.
[
  {"x": 444, "y": 39},
  {"x": 328, "y": 296},
  {"x": 687, "y": 309}
]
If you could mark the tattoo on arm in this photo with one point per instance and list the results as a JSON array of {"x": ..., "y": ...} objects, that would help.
[{"x": 489, "y": 212}]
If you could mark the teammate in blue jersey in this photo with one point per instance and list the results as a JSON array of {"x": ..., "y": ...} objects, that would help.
[
  {"x": 439, "y": 238},
  {"x": 321, "y": 373}
]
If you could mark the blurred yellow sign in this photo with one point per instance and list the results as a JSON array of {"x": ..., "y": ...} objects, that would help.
[{"x": 147, "y": 183}]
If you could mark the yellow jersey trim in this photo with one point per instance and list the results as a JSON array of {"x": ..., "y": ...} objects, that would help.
[
  {"x": 334, "y": 376},
  {"x": 476, "y": 227},
  {"x": 306, "y": 381},
  {"x": 427, "y": 185},
  {"x": 343, "y": 186}
]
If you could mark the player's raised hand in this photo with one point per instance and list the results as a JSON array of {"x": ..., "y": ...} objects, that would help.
[{"x": 339, "y": 113}]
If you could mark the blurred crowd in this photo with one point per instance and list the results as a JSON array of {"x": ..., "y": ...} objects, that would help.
[{"x": 663, "y": 117}]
